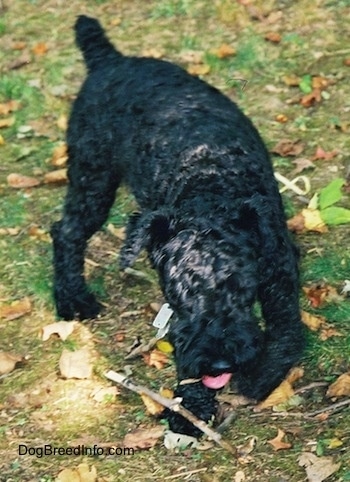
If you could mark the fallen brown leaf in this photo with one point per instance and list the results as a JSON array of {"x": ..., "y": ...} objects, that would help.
[
  {"x": 153, "y": 53},
  {"x": 310, "y": 99},
  {"x": 296, "y": 224},
  {"x": 319, "y": 82},
  {"x": 317, "y": 468},
  {"x": 329, "y": 332},
  {"x": 19, "y": 45},
  {"x": 198, "y": 69},
  {"x": 143, "y": 439},
  {"x": 19, "y": 62},
  {"x": 316, "y": 294},
  {"x": 246, "y": 448},
  {"x": 75, "y": 364},
  {"x": 36, "y": 232},
  {"x": 156, "y": 359},
  {"x": 341, "y": 387},
  {"x": 59, "y": 156},
  {"x": 225, "y": 51},
  {"x": 40, "y": 48},
  {"x": 273, "y": 37},
  {"x": 8, "y": 362},
  {"x": 56, "y": 177},
  {"x": 9, "y": 106},
  {"x": 18, "y": 181},
  {"x": 277, "y": 442},
  {"x": 62, "y": 328},
  {"x": 9, "y": 231},
  {"x": 16, "y": 309},
  {"x": 301, "y": 164},
  {"x": 286, "y": 147},
  {"x": 281, "y": 118},
  {"x": 322, "y": 154}
]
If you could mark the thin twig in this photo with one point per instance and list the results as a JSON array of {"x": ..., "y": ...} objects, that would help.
[
  {"x": 186, "y": 474},
  {"x": 311, "y": 386},
  {"x": 173, "y": 405},
  {"x": 331, "y": 408},
  {"x": 143, "y": 348}
]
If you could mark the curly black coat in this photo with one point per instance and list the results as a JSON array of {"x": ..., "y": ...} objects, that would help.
[{"x": 211, "y": 217}]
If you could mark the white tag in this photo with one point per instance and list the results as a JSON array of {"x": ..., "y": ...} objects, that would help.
[{"x": 161, "y": 321}]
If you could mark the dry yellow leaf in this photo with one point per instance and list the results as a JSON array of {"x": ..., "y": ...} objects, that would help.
[
  {"x": 341, "y": 387},
  {"x": 313, "y": 322},
  {"x": 62, "y": 122},
  {"x": 282, "y": 393},
  {"x": 295, "y": 374},
  {"x": 153, "y": 407},
  {"x": 119, "y": 233},
  {"x": 9, "y": 121},
  {"x": 81, "y": 474},
  {"x": 143, "y": 438},
  {"x": 166, "y": 393},
  {"x": 164, "y": 346},
  {"x": 199, "y": 69},
  {"x": 224, "y": 51},
  {"x": 313, "y": 220}
]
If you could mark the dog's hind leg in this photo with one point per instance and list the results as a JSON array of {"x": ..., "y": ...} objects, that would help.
[{"x": 89, "y": 198}]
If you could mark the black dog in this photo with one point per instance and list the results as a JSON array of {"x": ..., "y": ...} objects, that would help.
[{"x": 210, "y": 217}]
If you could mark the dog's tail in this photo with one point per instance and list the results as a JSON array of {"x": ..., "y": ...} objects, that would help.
[{"x": 92, "y": 41}]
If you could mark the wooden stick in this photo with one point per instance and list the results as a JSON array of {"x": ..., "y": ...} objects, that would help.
[
  {"x": 173, "y": 405},
  {"x": 330, "y": 408}
]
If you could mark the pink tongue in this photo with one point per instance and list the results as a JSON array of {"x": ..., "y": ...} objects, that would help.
[{"x": 216, "y": 382}]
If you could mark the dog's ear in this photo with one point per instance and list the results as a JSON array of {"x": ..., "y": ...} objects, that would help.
[
  {"x": 143, "y": 231},
  {"x": 255, "y": 215}
]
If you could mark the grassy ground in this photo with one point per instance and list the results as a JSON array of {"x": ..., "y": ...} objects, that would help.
[{"x": 42, "y": 70}]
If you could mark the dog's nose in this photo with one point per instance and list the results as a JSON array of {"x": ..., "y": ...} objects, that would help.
[{"x": 221, "y": 366}]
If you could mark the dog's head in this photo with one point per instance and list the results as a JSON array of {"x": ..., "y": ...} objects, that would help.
[{"x": 209, "y": 278}]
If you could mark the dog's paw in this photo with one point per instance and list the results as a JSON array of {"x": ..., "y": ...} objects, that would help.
[{"x": 83, "y": 307}]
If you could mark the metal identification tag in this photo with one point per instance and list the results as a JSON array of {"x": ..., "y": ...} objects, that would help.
[{"x": 161, "y": 321}]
